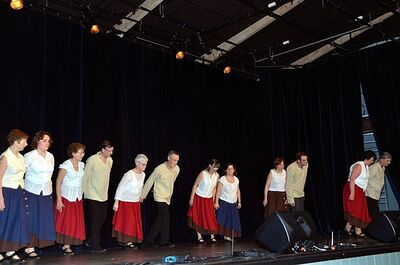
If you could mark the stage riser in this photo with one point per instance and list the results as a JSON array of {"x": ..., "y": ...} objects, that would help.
[{"x": 392, "y": 258}]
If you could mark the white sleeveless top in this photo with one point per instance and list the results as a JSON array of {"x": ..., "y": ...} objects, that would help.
[
  {"x": 14, "y": 175},
  {"x": 362, "y": 180},
  {"x": 229, "y": 190},
  {"x": 278, "y": 181},
  {"x": 207, "y": 184}
]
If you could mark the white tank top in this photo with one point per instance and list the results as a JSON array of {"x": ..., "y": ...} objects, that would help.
[
  {"x": 278, "y": 181},
  {"x": 207, "y": 184},
  {"x": 362, "y": 180}
]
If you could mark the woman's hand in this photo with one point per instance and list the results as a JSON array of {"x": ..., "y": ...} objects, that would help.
[
  {"x": 60, "y": 205},
  {"x": 115, "y": 206},
  {"x": 2, "y": 205},
  {"x": 239, "y": 205},
  {"x": 351, "y": 197},
  {"x": 216, "y": 206},
  {"x": 265, "y": 202}
]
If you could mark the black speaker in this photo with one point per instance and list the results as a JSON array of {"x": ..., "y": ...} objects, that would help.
[
  {"x": 385, "y": 228},
  {"x": 282, "y": 230}
]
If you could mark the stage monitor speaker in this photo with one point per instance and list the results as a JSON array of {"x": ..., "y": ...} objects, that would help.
[
  {"x": 282, "y": 230},
  {"x": 386, "y": 227}
]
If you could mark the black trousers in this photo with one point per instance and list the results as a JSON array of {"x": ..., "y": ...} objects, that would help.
[
  {"x": 161, "y": 224},
  {"x": 298, "y": 204},
  {"x": 97, "y": 213},
  {"x": 373, "y": 207}
]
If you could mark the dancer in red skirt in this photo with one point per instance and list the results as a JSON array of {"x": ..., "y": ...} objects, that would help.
[
  {"x": 354, "y": 201},
  {"x": 201, "y": 215},
  {"x": 127, "y": 221},
  {"x": 70, "y": 220}
]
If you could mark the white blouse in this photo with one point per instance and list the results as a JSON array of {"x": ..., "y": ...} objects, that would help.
[
  {"x": 39, "y": 171},
  {"x": 72, "y": 182},
  {"x": 229, "y": 190},
  {"x": 130, "y": 187},
  {"x": 207, "y": 184},
  {"x": 278, "y": 181}
]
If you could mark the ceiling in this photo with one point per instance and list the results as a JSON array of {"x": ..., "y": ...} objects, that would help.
[{"x": 248, "y": 34}]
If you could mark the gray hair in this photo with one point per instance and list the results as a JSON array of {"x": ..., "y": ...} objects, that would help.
[
  {"x": 386, "y": 155},
  {"x": 141, "y": 158}
]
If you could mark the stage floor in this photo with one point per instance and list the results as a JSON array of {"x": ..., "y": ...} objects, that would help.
[{"x": 244, "y": 252}]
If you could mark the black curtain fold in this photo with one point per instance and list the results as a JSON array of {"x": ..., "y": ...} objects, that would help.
[{"x": 380, "y": 79}]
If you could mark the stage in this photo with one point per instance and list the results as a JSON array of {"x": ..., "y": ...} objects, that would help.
[{"x": 243, "y": 252}]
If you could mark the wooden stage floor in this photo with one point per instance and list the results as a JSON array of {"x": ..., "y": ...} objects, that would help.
[{"x": 245, "y": 252}]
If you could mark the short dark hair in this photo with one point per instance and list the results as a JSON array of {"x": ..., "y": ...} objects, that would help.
[
  {"x": 106, "y": 143},
  {"x": 16, "y": 135},
  {"x": 39, "y": 136},
  {"x": 368, "y": 154},
  {"x": 278, "y": 160},
  {"x": 300, "y": 154},
  {"x": 73, "y": 148},
  {"x": 234, "y": 167},
  {"x": 173, "y": 152}
]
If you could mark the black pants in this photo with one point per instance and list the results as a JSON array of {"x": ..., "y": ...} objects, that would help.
[
  {"x": 97, "y": 213},
  {"x": 161, "y": 224},
  {"x": 373, "y": 207},
  {"x": 298, "y": 204}
]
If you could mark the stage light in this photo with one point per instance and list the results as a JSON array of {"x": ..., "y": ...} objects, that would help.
[
  {"x": 227, "y": 69},
  {"x": 94, "y": 29},
  {"x": 271, "y": 5},
  {"x": 16, "y": 4},
  {"x": 286, "y": 42},
  {"x": 179, "y": 55}
]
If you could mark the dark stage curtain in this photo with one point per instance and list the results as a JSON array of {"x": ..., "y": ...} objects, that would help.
[
  {"x": 318, "y": 110},
  {"x": 380, "y": 78},
  {"x": 54, "y": 76}
]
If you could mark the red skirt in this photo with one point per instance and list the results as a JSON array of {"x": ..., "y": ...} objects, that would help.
[
  {"x": 201, "y": 215},
  {"x": 356, "y": 211},
  {"x": 127, "y": 223},
  {"x": 70, "y": 223}
]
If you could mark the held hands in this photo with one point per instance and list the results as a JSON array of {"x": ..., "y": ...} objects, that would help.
[
  {"x": 216, "y": 206},
  {"x": 115, "y": 206},
  {"x": 60, "y": 205},
  {"x": 265, "y": 202},
  {"x": 2, "y": 204}
]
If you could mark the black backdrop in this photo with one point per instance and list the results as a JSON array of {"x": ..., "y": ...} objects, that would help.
[{"x": 54, "y": 76}]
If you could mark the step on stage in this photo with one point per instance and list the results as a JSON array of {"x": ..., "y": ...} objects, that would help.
[{"x": 243, "y": 252}]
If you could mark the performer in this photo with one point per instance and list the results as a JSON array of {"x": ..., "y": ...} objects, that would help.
[
  {"x": 354, "y": 202},
  {"x": 274, "y": 190},
  {"x": 201, "y": 215},
  {"x": 14, "y": 227},
  {"x": 163, "y": 178},
  {"x": 227, "y": 203},
  {"x": 376, "y": 181},
  {"x": 39, "y": 190},
  {"x": 127, "y": 221},
  {"x": 69, "y": 216},
  {"x": 296, "y": 180},
  {"x": 95, "y": 188}
]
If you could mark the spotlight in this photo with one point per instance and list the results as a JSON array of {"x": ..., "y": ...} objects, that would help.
[
  {"x": 179, "y": 55},
  {"x": 227, "y": 69},
  {"x": 271, "y": 5},
  {"x": 94, "y": 29},
  {"x": 286, "y": 42},
  {"x": 16, "y": 4}
]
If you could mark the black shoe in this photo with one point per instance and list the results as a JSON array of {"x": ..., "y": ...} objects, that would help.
[
  {"x": 97, "y": 249},
  {"x": 166, "y": 245},
  {"x": 147, "y": 245},
  {"x": 87, "y": 244}
]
